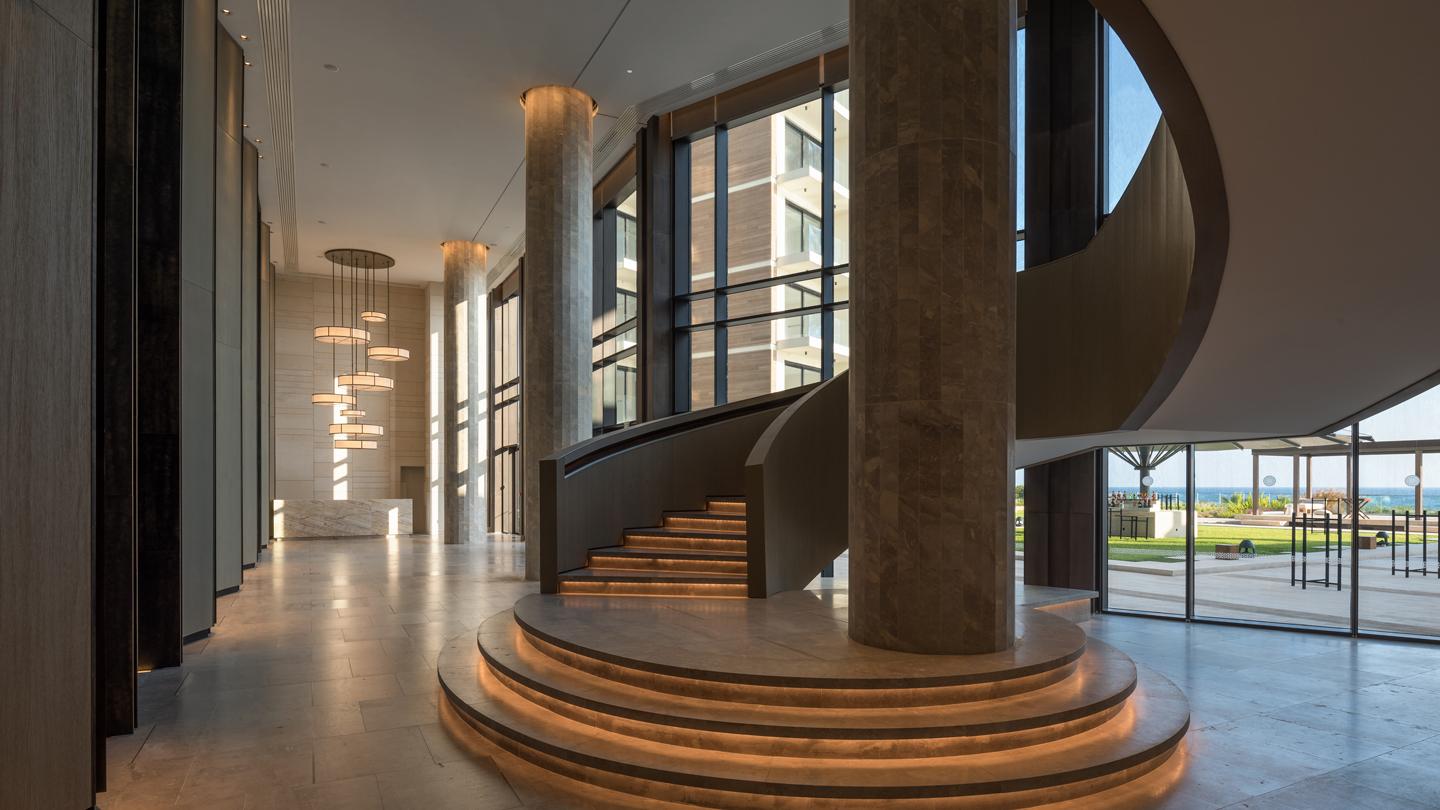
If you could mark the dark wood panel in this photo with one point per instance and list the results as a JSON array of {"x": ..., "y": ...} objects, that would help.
[
  {"x": 159, "y": 81},
  {"x": 796, "y": 490},
  {"x": 1060, "y": 522},
  {"x": 1095, "y": 328},
  {"x": 656, "y": 169},
  {"x": 115, "y": 529},
  {"x": 47, "y": 407}
]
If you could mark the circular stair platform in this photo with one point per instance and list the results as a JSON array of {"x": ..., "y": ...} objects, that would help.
[{"x": 734, "y": 703}]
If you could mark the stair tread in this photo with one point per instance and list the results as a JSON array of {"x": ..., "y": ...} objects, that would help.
[
  {"x": 668, "y": 553},
  {"x": 680, "y": 531},
  {"x": 1154, "y": 719},
  {"x": 705, "y": 514},
  {"x": 641, "y": 575},
  {"x": 1103, "y": 678}
]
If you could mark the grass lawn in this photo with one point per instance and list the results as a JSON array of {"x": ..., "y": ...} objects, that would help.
[{"x": 1267, "y": 541}]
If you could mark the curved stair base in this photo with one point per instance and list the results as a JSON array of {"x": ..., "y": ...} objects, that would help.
[{"x": 1103, "y": 728}]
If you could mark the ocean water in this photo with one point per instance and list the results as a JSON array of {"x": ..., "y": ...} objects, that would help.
[{"x": 1382, "y": 499}]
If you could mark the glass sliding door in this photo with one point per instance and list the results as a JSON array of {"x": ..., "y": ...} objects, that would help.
[
  {"x": 1271, "y": 536},
  {"x": 1400, "y": 519},
  {"x": 1147, "y": 518}
]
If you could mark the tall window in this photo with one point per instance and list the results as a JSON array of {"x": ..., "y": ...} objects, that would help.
[
  {"x": 1131, "y": 114},
  {"x": 761, "y": 287},
  {"x": 615, "y": 349},
  {"x": 1020, "y": 149}
]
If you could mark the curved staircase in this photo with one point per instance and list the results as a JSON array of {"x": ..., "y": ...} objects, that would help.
[
  {"x": 767, "y": 703},
  {"x": 691, "y": 553}
]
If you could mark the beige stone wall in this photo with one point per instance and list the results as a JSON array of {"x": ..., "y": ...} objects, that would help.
[{"x": 306, "y": 465}]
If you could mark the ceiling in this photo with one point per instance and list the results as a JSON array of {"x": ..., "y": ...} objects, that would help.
[{"x": 416, "y": 137}]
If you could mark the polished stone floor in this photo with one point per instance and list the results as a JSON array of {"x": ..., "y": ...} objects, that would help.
[{"x": 317, "y": 689}]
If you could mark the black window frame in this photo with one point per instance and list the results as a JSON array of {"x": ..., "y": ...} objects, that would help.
[{"x": 721, "y": 289}]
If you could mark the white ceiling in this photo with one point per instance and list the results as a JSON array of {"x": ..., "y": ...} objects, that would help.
[{"x": 421, "y": 125}]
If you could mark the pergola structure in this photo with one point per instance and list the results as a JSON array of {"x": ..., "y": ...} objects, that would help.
[{"x": 1334, "y": 444}]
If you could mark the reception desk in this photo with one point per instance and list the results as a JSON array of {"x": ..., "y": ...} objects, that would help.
[{"x": 350, "y": 518}]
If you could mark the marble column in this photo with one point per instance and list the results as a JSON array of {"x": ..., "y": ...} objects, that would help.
[
  {"x": 556, "y": 299},
  {"x": 463, "y": 407},
  {"x": 932, "y": 325}
]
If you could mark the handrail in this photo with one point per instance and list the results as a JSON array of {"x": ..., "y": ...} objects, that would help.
[
  {"x": 796, "y": 491},
  {"x": 591, "y": 492},
  {"x": 578, "y": 456}
]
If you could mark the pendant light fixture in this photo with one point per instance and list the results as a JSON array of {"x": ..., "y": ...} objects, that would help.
[
  {"x": 333, "y": 399},
  {"x": 356, "y": 444},
  {"x": 352, "y": 413},
  {"x": 387, "y": 353},
  {"x": 356, "y": 429}
]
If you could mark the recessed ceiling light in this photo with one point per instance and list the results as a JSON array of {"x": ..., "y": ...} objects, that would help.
[
  {"x": 249, "y": 64},
  {"x": 325, "y": 165},
  {"x": 330, "y": 67},
  {"x": 224, "y": 11},
  {"x": 259, "y": 140},
  {"x": 262, "y": 157},
  {"x": 628, "y": 70},
  {"x": 246, "y": 126},
  {"x": 244, "y": 37}
]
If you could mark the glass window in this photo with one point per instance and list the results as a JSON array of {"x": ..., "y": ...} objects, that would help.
[
  {"x": 1146, "y": 516},
  {"x": 842, "y": 177},
  {"x": 773, "y": 199},
  {"x": 1254, "y": 560},
  {"x": 1131, "y": 115},
  {"x": 702, "y": 215},
  {"x": 1020, "y": 132}
]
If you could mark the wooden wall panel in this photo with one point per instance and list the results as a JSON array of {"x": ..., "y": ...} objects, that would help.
[
  {"x": 197, "y": 318},
  {"x": 229, "y": 308},
  {"x": 254, "y": 515},
  {"x": 47, "y": 148}
]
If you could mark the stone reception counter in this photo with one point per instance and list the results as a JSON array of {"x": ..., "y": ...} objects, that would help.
[{"x": 348, "y": 518}]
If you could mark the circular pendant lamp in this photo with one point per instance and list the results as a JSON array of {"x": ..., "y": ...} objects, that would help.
[
  {"x": 341, "y": 335},
  {"x": 388, "y": 354},
  {"x": 372, "y": 316},
  {"x": 354, "y": 429},
  {"x": 365, "y": 381},
  {"x": 333, "y": 399},
  {"x": 352, "y": 413},
  {"x": 356, "y": 444}
]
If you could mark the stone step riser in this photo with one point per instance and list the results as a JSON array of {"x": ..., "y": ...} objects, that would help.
[
  {"x": 798, "y": 696},
  {"x": 667, "y": 564},
  {"x": 937, "y": 742},
  {"x": 682, "y": 543},
  {"x": 594, "y": 587}
]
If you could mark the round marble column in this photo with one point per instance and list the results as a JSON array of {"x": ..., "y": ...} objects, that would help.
[
  {"x": 462, "y": 409},
  {"x": 556, "y": 299},
  {"x": 932, "y": 325}
]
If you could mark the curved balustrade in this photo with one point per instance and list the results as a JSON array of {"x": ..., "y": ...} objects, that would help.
[
  {"x": 797, "y": 521},
  {"x": 595, "y": 490}
]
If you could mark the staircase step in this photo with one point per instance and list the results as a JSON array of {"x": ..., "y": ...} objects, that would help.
[
  {"x": 1102, "y": 681},
  {"x": 610, "y": 581},
  {"x": 727, "y": 505},
  {"x": 670, "y": 537},
  {"x": 722, "y": 521},
  {"x": 663, "y": 559}
]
